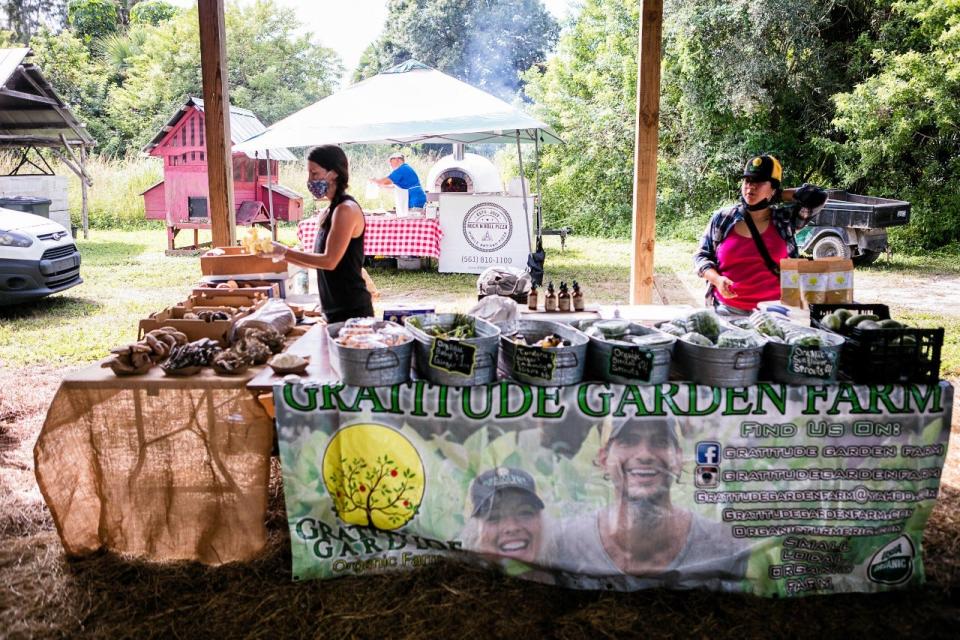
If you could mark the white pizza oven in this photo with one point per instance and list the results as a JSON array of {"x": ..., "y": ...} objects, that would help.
[
  {"x": 482, "y": 225},
  {"x": 463, "y": 173}
]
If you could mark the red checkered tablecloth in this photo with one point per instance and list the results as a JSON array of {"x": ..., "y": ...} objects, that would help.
[{"x": 387, "y": 236}]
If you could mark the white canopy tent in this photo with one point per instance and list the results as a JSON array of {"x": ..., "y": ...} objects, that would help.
[{"x": 408, "y": 103}]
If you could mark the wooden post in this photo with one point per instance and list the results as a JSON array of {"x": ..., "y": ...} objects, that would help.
[
  {"x": 216, "y": 107},
  {"x": 273, "y": 221},
  {"x": 84, "y": 211},
  {"x": 645, "y": 154}
]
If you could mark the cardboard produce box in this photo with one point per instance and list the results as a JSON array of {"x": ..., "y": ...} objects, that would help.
[
  {"x": 196, "y": 300},
  {"x": 194, "y": 329},
  {"x": 237, "y": 260},
  {"x": 267, "y": 291}
]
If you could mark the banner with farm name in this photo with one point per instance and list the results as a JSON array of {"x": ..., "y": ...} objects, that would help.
[{"x": 771, "y": 489}]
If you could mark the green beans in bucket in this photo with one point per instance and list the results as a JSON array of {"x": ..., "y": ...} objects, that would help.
[{"x": 454, "y": 349}]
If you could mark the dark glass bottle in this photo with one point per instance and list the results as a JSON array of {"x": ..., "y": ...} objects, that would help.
[
  {"x": 550, "y": 300},
  {"x": 563, "y": 299},
  {"x": 577, "y": 297}
]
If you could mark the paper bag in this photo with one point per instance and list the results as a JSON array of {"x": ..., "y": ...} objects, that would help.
[
  {"x": 839, "y": 280},
  {"x": 790, "y": 281}
]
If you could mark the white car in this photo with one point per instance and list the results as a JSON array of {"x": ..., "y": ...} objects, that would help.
[{"x": 37, "y": 257}]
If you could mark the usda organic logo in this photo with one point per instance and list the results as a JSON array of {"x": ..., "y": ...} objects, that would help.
[{"x": 892, "y": 564}]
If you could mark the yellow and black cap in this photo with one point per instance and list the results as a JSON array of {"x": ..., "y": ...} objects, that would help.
[{"x": 763, "y": 169}]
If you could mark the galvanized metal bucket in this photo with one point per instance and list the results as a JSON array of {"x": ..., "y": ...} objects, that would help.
[
  {"x": 569, "y": 362},
  {"x": 776, "y": 361},
  {"x": 717, "y": 367},
  {"x": 381, "y": 367},
  {"x": 486, "y": 344},
  {"x": 600, "y": 353}
]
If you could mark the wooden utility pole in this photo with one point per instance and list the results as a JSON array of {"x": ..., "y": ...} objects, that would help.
[
  {"x": 216, "y": 108},
  {"x": 645, "y": 154}
]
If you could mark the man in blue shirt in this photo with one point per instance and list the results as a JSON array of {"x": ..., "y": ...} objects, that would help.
[{"x": 405, "y": 177}]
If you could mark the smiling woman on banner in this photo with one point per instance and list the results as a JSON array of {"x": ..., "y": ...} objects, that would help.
[
  {"x": 338, "y": 248},
  {"x": 740, "y": 251},
  {"x": 507, "y": 521}
]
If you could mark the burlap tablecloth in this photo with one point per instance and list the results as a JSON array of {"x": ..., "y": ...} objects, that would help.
[{"x": 157, "y": 467}]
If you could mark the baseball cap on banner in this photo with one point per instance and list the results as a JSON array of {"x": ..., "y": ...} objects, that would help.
[
  {"x": 614, "y": 427},
  {"x": 487, "y": 484}
]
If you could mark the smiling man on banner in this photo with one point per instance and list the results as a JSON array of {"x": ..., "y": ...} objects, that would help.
[{"x": 641, "y": 539}]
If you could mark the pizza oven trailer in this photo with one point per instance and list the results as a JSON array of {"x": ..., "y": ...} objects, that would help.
[{"x": 180, "y": 199}]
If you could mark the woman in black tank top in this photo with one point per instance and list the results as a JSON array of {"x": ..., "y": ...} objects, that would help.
[{"x": 338, "y": 251}]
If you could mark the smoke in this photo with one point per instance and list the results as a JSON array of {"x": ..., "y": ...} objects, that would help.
[{"x": 506, "y": 39}]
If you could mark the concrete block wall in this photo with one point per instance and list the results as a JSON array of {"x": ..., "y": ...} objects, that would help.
[{"x": 54, "y": 188}]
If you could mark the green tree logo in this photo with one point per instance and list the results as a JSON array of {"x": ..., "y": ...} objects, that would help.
[{"x": 374, "y": 475}]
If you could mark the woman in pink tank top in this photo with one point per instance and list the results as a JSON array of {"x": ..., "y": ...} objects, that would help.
[{"x": 740, "y": 252}]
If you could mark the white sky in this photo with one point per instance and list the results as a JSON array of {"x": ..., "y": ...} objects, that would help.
[{"x": 348, "y": 26}]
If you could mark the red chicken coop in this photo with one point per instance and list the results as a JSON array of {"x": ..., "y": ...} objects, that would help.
[{"x": 180, "y": 199}]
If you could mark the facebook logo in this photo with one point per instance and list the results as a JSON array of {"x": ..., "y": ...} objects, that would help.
[{"x": 708, "y": 453}]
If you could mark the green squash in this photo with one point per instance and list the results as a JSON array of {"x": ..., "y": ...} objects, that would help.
[
  {"x": 853, "y": 321},
  {"x": 891, "y": 324},
  {"x": 832, "y": 322}
]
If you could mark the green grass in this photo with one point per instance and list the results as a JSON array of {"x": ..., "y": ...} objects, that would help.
[{"x": 127, "y": 277}]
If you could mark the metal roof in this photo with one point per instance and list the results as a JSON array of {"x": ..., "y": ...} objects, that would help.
[
  {"x": 282, "y": 190},
  {"x": 243, "y": 124},
  {"x": 31, "y": 112}
]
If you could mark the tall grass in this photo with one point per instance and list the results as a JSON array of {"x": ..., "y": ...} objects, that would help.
[{"x": 114, "y": 200}]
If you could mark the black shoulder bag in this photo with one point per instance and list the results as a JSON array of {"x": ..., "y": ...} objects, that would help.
[{"x": 761, "y": 248}]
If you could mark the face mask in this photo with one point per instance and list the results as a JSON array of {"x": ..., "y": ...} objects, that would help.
[
  {"x": 763, "y": 204},
  {"x": 318, "y": 188}
]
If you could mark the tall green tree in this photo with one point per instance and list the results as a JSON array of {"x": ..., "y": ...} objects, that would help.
[
  {"x": 739, "y": 77},
  {"x": 80, "y": 79},
  {"x": 152, "y": 12},
  {"x": 587, "y": 92},
  {"x": 898, "y": 131},
  {"x": 274, "y": 69},
  {"x": 23, "y": 18},
  {"x": 93, "y": 19},
  {"x": 488, "y": 43}
]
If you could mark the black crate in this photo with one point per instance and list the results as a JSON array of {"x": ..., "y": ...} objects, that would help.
[
  {"x": 872, "y": 355},
  {"x": 844, "y": 209}
]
